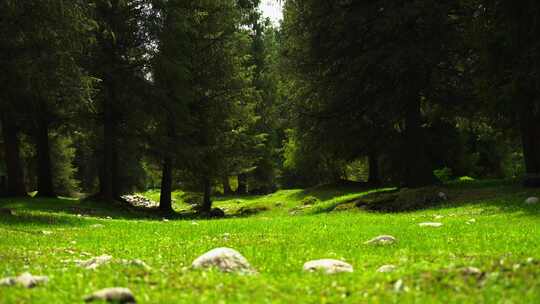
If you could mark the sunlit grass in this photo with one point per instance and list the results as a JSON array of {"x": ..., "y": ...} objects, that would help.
[{"x": 502, "y": 242}]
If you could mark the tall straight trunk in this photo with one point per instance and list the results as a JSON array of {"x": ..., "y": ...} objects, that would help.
[
  {"x": 165, "y": 202},
  {"x": 530, "y": 135},
  {"x": 418, "y": 169},
  {"x": 15, "y": 176},
  {"x": 226, "y": 186},
  {"x": 242, "y": 184},
  {"x": 374, "y": 178},
  {"x": 207, "y": 201},
  {"x": 45, "y": 183},
  {"x": 109, "y": 163}
]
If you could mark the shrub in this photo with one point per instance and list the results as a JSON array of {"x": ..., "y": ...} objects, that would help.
[
  {"x": 309, "y": 200},
  {"x": 444, "y": 174}
]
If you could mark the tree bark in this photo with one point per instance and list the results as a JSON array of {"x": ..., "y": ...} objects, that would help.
[
  {"x": 45, "y": 183},
  {"x": 165, "y": 202},
  {"x": 207, "y": 201},
  {"x": 530, "y": 135},
  {"x": 418, "y": 169},
  {"x": 374, "y": 178},
  {"x": 109, "y": 164},
  {"x": 226, "y": 186},
  {"x": 242, "y": 184},
  {"x": 15, "y": 175}
]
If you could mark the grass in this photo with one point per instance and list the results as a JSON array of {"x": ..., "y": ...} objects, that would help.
[{"x": 503, "y": 242}]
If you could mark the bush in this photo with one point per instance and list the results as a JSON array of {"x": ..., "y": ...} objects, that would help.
[
  {"x": 466, "y": 179},
  {"x": 309, "y": 200},
  {"x": 444, "y": 174}
]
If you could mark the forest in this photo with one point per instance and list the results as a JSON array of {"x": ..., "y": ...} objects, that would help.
[{"x": 362, "y": 116}]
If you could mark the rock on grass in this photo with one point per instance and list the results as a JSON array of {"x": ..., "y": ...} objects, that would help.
[
  {"x": 115, "y": 294},
  {"x": 431, "y": 224},
  {"x": 25, "y": 280},
  {"x": 532, "y": 200},
  {"x": 328, "y": 266},
  {"x": 387, "y": 268},
  {"x": 95, "y": 262},
  {"x": 382, "y": 240},
  {"x": 224, "y": 259}
]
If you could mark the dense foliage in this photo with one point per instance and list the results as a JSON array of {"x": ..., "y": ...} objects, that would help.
[{"x": 106, "y": 97}]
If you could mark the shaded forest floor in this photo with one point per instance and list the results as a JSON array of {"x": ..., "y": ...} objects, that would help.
[{"x": 485, "y": 225}]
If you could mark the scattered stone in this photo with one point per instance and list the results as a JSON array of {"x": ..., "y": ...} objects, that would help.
[
  {"x": 443, "y": 196},
  {"x": 140, "y": 201},
  {"x": 387, "y": 269},
  {"x": 438, "y": 217},
  {"x": 430, "y": 224},
  {"x": 532, "y": 200},
  {"x": 97, "y": 226},
  {"x": 471, "y": 271},
  {"x": 399, "y": 286},
  {"x": 224, "y": 259},
  {"x": 165, "y": 219},
  {"x": 25, "y": 280},
  {"x": 94, "y": 262},
  {"x": 137, "y": 262},
  {"x": 6, "y": 211},
  {"x": 471, "y": 221},
  {"x": 382, "y": 240},
  {"x": 328, "y": 266},
  {"x": 194, "y": 223},
  {"x": 115, "y": 294},
  {"x": 47, "y": 232},
  {"x": 108, "y": 218}
]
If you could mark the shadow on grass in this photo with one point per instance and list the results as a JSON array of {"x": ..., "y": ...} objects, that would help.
[{"x": 25, "y": 218}]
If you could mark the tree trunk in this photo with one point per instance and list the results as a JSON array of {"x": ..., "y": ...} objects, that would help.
[
  {"x": 108, "y": 165},
  {"x": 418, "y": 169},
  {"x": 373, "y": 160},
  {"x": 15, "y": 176},
  {"x": 226, "y": 186},
  {"x": 530, "y": 134},
  {"x": 207, "y": 201},
  {"x": 165, "y": 202},
  {"x": 45, "y": 182},
  {"x": 242, "y": 184}
]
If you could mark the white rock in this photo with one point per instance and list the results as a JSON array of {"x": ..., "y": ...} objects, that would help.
[
  {"x": 328, "y": 266},
  {"x": 471, "y": 221},
  {"x": 399, "y": 286},
  {"x": 136, "y": 262},
  {"x": 430, "y": 224},
  {"x": 47, "y": 232},
  {"x": 387, "y": 268},
  {"x": 95, "y": 262},
  {"x": 471, "y": 271},
  {"x": 382, "y": 240},
  {"x": 97, "y": 226},
  {"x": 532, "y": 200},
  {"x": 26, "y": 280},
  {"x": 115, "y": 294},
  {"x": 224, "y": 259},
  {"x": 443, "y": 196}
]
